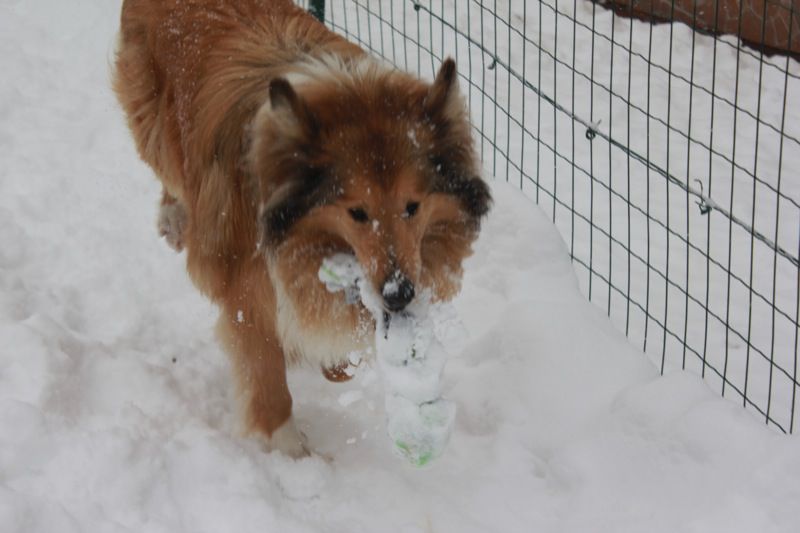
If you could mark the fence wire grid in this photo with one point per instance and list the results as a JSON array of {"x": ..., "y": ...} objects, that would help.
[{"x": 667, "y": 158}]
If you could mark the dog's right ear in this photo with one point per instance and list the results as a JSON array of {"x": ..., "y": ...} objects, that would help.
[{"x": 283, "y": 98}]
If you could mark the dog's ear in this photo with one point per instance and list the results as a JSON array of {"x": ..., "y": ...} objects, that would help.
[
  {"x": 472, "y": 192},
  {"x": 442, "y": 100},
  {"x": 452, "y": 151},
  {"x": 281, "y": 94},
  {"x": 283, "y": 98},
  {"x": 445, "y": 112}
]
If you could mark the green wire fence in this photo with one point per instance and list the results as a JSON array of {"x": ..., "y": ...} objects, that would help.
[{"x": 667, "y": 158}]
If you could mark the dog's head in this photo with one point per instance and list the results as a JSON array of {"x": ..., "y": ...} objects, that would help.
[{"x": 377, "y": 163}]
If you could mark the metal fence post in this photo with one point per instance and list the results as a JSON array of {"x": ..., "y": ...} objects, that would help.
[{"x": 317, "y": 8}]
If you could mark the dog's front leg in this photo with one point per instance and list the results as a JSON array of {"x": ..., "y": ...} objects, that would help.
[{"x": 260, "y": 368}]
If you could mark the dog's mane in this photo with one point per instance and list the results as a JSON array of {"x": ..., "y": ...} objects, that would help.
[{"x": 331, "y": 68}]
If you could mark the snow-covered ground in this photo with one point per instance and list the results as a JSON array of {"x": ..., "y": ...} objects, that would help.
[{"x": 116, "y": 404}]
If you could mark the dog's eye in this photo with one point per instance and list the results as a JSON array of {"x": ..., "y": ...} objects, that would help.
[
  {"x": 411, "y": 209},
  {"x": 358, "y": 214}
]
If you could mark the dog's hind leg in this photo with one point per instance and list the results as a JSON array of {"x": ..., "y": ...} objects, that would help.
[{"x": 172, "y": 221}]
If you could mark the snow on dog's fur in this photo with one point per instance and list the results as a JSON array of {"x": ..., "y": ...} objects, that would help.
[{"x": 280, "y": 143}]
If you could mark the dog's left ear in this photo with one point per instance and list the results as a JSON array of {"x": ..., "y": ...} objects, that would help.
[
  {"x": 442, "y": 100},
  {"x": 452, "y": 150}
]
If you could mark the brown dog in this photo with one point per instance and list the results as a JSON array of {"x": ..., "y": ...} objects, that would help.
[{"x": 279, "y": 143}]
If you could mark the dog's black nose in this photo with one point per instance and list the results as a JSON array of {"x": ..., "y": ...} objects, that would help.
[{"x": 398, "y": 291}]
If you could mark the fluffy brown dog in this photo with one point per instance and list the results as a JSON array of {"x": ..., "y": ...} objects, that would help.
[{"x": 279, "y": 143}]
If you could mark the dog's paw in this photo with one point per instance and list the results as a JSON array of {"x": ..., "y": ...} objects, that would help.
[
  {"x": 288, "y": 440},
  {"x": 172, "y": 222},
  {"x": 338, "y": 373}
]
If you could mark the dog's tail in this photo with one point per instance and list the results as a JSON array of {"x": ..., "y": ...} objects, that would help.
[{"x": 138, "y": 79}]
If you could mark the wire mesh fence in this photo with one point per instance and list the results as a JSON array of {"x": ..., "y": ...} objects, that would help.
[{"x": 667, "y": 158}]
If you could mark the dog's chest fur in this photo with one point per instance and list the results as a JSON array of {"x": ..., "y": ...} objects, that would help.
[{"x": 317, "y": 327}]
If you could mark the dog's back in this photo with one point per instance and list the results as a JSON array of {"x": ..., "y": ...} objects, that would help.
[{"x": 189, "y": 75}]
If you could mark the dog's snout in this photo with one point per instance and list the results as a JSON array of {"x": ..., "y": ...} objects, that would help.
[{"x": 398, "y": 291}]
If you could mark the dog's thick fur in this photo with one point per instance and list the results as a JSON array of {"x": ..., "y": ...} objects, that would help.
[{"x": 279, "y": 143}]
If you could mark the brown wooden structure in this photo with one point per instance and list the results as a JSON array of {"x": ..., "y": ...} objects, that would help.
[{"x": 769, "y": 25}]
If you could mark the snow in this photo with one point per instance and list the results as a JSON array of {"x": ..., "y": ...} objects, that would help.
[
  {"x": 409, "y": 356},
  {"x": 117, "y": 407}
]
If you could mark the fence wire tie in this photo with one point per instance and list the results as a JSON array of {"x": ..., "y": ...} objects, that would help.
[
  {"x": 703, "y": 204},
  {"x": 493, "y": 64},
  {"x": 591, "y": 132}
]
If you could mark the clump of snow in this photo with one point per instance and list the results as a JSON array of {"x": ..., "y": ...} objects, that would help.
[
  {"x": 561, "y": 424},
  {"x": 411, "y": 360},
  {"x": 391, "y": 288},
  {"x": 349, "y": 397}
]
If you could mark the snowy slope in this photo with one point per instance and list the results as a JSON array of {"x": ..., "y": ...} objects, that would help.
[{"x": 116, "y": 405}]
